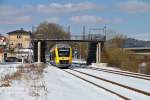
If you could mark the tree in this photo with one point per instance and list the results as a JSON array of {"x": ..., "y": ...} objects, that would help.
[
  {"x": 116, "y": 56},
  {"x": 116, "y": 42},
  {"x": 50, "y": 31},
  {"x": 121, "y": 58}
]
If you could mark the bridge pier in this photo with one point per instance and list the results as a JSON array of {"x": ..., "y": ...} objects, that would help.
[
  {"x": 39, "y": 51},
  {"x": 94, "y": 52},
  {"x": 98, "y": 52}
]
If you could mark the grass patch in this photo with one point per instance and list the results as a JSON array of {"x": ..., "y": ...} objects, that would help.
[
  {"x": 28, "y": 71},
  {"x": 7, "y": 79}
]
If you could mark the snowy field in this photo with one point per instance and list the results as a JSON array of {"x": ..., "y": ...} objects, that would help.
[
  {"x": 24, "y": 84},
  {"x": 78, "y": 61},
  {"x": 6, "y": 69},
  {"x": 128, "y": 81},
  {"x": 132, "y": 82},
  {"x": 50, "y": 83},
  {"x": 63, "y": 86}
]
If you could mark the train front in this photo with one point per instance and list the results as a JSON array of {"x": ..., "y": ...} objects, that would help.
[{"x": 64, "y": 57}]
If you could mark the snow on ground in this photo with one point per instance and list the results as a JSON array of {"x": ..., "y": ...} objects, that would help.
[
  {"x": 125, "y": 92},
  {"x": 63, "y": 86},
  {"x": 29, "y": 86},
  {"x": 112, "y": 68},
  {"x": 52, "y": 84},
  {"x": 128, "y": 81},
  {"x": 6, "y": 69},
  {"x": 78, "y": 61}
]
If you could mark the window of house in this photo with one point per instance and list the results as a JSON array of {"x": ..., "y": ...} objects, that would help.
[
  {"x": 19, "y": 36},
  {"x": 19, "y": 45}
]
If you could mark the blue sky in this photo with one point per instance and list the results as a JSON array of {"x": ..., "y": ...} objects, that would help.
[{"x": 129, "y": 17}]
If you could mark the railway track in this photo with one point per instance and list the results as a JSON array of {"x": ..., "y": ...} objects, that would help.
[
  {"x": 124, "y": 73},
  {"x": 134, "y": 75},
  {"x": 99, "y": 86},
  {"x": 105, "y": 88}
]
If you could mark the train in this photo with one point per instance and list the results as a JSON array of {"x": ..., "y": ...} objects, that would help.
[{"x": 61, "y": 55}]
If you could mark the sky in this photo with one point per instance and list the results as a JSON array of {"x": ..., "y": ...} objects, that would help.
[{"x": 128, "y": 17}]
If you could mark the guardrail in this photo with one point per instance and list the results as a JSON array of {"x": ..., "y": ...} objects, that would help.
[{"x": 96, "y": 37}]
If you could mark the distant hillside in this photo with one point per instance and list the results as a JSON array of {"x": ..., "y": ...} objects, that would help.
[{"x": 130, "y": 42}]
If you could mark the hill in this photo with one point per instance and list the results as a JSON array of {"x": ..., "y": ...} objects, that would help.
[{"x": 130, "y": 42}]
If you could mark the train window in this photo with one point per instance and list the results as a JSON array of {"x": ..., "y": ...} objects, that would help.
[{"x": 64, "y": 52}]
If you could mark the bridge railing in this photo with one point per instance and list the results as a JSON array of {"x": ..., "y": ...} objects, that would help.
[
  {"x": 88, "y": 37},
  {"x": 96, "y": 37}
]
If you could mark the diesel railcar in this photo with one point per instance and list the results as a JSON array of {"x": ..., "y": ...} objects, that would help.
[{"x": 61, "y": 55}]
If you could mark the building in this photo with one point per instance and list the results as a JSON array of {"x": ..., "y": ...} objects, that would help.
[
  {"x": 3, "y": 44},
  {"x": 19, "y": 43},
  {"x": 19, "y": 39},
  {"x": 142, "y": 53}
]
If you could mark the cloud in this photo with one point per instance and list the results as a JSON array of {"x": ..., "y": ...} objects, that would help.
[
  {"x": 134, "y": 6},
  {"x": 116, "y": 20},
  {"x": 53, "y": 20},
  {"x": 88, "y": 19},
  {"x": 9, "y": 11},
  {"x": 15, "y": 20},
  {"x": 12, "y": 15},
  {"x": 57, "y": 8}
]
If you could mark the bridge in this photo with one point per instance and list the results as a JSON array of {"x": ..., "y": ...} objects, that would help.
[
  {"x": 140, "y": 50},
  {"x": 96, "y": 43},
  {"x": 143, "y": 53}
]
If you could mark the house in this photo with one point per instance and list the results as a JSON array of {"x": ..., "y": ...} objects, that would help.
[
  {"x": 19, "y": 39},
  {"x": 3, "y": 44},
  {"x": 19, "y": 44}
]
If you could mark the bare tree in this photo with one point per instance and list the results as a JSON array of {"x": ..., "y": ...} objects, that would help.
[
  {"x": 116, "y": 56},
  {"x": 116, "y": 42},
  {"x": 50, "y": 31}
]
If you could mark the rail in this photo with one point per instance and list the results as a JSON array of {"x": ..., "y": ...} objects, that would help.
[
  {"x": 99, "y": 86},
  {"x": 115, "y": 83},
  {"x": 135, "y": 75}
]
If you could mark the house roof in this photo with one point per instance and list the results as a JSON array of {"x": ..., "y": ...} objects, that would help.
[{"x": 19, "y": 32}]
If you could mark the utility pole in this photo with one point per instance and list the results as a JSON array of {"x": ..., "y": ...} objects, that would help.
[
  {"x": 69, "y": 29},
  {"x": 83, "y": 32},
  {"x": 68, "y": 32},
  {"x": 105, "y": 31},
  {"x": 33, "y": 28}
]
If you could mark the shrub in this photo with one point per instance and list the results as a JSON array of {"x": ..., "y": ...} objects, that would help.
[{"x": 120, "y": 58}]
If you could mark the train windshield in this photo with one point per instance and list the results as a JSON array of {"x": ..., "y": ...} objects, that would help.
[{"x": 63, "y": 52}]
